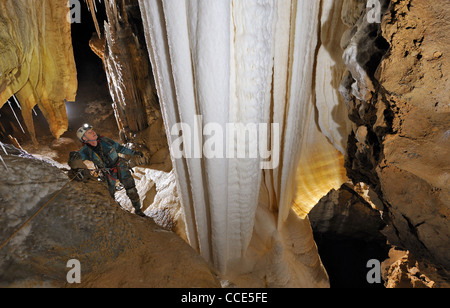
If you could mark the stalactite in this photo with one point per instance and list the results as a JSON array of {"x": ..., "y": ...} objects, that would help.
[
  {"x": 247, "y": 62},
  {"x": 93, "y": 8},
  {"x": 15, "y": 116},
  {"x": 36, "y": 62},
  {"x": 127, "y": 66}
]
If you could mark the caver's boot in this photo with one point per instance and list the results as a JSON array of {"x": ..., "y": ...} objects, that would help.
[{"x": 137, "y": 209}]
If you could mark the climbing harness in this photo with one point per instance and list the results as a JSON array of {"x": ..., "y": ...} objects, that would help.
[
  {"x": 110, "y": 173},
  {"x": 37, "y": 212}
]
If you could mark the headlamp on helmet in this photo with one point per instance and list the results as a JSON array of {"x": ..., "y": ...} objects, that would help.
[{"x": 82, "y": 130}]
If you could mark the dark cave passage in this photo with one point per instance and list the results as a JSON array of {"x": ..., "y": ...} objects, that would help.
[
  {"x": 345, "y": 259},
  {"x": 93, "y": 100},
  {"x": 347, "y": 233}
]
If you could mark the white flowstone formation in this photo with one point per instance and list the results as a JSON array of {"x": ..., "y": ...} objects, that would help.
[{"x": 250, "y": 61}]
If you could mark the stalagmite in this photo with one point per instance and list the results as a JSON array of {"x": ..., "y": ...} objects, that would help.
[{"x": 246, "y": 61}]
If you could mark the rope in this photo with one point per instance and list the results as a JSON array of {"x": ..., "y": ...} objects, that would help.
[{"x": 37, "y": 212}]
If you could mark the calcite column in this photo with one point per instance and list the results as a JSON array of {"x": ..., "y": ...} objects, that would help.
[{"x": 247, "y": 62}]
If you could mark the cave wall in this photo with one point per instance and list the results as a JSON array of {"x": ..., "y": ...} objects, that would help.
[
  {"x": 37, "y": 63},
  {"x": 399, "y": 144}
]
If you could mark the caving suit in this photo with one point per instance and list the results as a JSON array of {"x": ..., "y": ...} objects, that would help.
[{"x": 105, "y": 155}]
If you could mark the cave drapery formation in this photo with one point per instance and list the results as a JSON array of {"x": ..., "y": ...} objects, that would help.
[
  {"x": 310, "y": 66},
  {"x": 246, "y": 62},
  {"x": 37, "y": 63}
]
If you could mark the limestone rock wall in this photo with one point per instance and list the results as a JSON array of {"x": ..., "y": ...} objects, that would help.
[
  {"x": 400, "y": 139},
  {"x": 401, "y": 270}
]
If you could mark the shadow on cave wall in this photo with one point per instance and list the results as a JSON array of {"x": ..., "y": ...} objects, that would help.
[{"x": 347, "y": 233}]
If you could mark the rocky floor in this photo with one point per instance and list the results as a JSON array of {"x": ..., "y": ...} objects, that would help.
[{"x": 114, "y": 247}]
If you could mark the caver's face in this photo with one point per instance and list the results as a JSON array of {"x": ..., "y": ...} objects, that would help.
[{"x": 91, "y": 137}]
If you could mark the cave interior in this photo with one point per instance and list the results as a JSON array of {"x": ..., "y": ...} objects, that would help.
[{"x": 348, "y": 226}]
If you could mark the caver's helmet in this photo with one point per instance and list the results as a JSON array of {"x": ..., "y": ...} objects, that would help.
[{"x": 82, "y": 130}]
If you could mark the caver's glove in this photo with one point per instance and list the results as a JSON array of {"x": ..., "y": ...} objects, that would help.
[
  {"x": 81, "y": 175},
  {"x": 75, "y": 161}
]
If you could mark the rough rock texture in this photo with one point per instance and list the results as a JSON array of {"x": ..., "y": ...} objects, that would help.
[
  {"x": 348, "y": 229},
  {"x": 159, "y": 197},
  {"x": 345, "y": 213},
  {"x": 35, "y": 43},
  {"x": 115, "y": 248},
  {"x": 400, "y": 140},
  {"x": 401, "y": 270}
]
